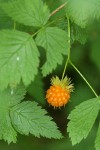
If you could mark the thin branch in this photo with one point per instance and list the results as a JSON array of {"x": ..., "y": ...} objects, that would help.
[
  {"x": 69, "y": 45},
  {"x": 84, "y": 79},
  {"x": 56, "y": 10}
]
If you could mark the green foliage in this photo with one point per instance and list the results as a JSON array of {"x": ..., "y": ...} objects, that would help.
[
  {"x": 28, "y": 117},
  {"x": 53, "y": 35},
  {"x": 7, "y": 132},
  {"x": 5, "y": 21},
  {"x": 31, "y": 13},
  {"x": 83, "y": 12},
  {"x": 18, "y": 58},
  {"x": 7, "y": 101},
  {"x": 97, "y": 141},
  {"x": 78, "y": 34},
  {"x": 49, "y": 39},
  {"x": 82, "y": 119},
  {"x": 25, "y": 117}
]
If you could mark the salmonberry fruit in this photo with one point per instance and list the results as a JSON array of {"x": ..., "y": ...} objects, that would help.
[{"x": 59, "y": 92}]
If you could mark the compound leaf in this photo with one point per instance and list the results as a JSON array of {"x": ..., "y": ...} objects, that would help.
[
  {"x": 18, "y": 58},
  {"x": 82, "y": 119},
  {"x": 54, "y": 40},
  {"x": 27, "y": 117},
  {"x": 31, "y": 12}
]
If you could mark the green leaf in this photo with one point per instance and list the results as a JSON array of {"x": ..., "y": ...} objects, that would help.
[
  {"x": 78, "y": 34},
  {"x": 28, "y": 117},
  {"x": 7, "y": 100},
  {"x": 27, "y": 12},
  {"x": 97, "y": 141},
  {"x": 7, "y": 132},
  {"x": 5, "y": 21},
  {"x": 18, "y": 58},
  {"x": 54, "y": 40},
  {"x": 82, "y": 119},
  {"x": 82, "y": 12},
  {"x": 36, "y": 89}
]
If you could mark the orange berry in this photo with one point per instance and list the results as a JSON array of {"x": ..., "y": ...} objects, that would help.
[{"x": 59, "y": 92}]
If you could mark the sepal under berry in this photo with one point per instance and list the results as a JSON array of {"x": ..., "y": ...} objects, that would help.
[{"x": 64, "y": 83}]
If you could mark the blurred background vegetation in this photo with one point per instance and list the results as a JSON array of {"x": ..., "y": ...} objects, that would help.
[{"x": 85, "y": 54}]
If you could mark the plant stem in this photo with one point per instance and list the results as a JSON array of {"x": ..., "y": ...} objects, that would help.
[
  {"x": 69, "y": 37},
  {"x": 54, "y": 21},
  {"x": 59, "y": 8},
  {"x": 47, "y": 25},
  {"x": 69, "y": 45},
  {"x": 84, "y": 78},
  {"x": 55, "y": 11},
  {"x": 36, "y": 32}
]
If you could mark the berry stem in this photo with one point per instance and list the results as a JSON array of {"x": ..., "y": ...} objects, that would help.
[
  {"x": 69, "y": 45},
  {"x": 83, "y": 78}
]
